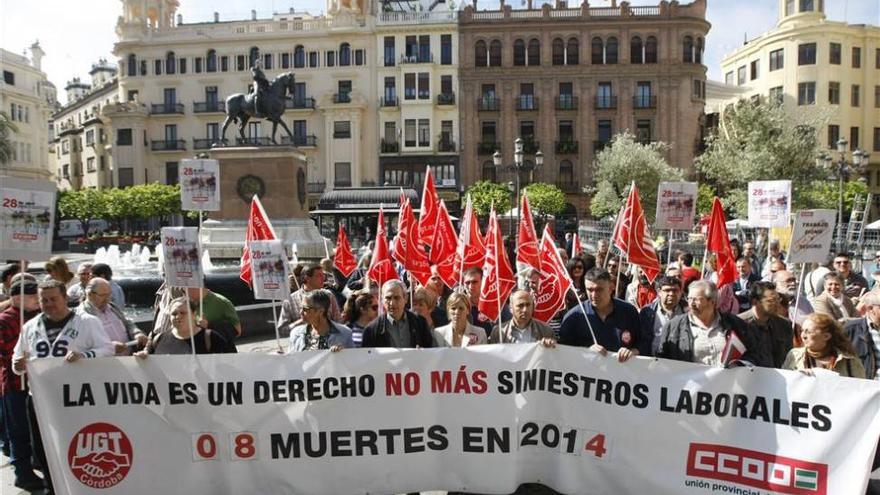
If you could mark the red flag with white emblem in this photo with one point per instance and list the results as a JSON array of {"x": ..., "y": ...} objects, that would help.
[
  {"x": 430, "y": 209},
  {"x": 344, "y": 259},
  {"x": 259, "y": 228},
  {"x": 633, "y": 239},
  {"x": 407, "y": 250},
  {"x": 498, "y": 277},
  {"x": 555, "y": 282},
  {"x": 444, "y": 247},
  {"x": 381, "y": 268},
  {"x": 526, "y": 239}
]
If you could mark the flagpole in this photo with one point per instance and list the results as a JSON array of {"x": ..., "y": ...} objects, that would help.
[
  {"x": 202, "y": 288},
  {"x": 277, "y": 332},
  {"x": 465, "y": 224},
  {"x": 499, "y": 255},
  {"x": 669, "y": 255},
  {"x": 797, "y": 297},
  {"x": 21, "y": 315},
  {"x": 326, "y": 249},
  {"x": 611, "y": 241},
  {"x": 581, "y": 305},
  {"x": 192, "y": 338}
]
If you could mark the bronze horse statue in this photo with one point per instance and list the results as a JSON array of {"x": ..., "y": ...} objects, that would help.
[{"x": 241, "y": 107}]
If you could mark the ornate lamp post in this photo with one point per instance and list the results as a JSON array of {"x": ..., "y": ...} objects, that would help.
[
  {"x": 843, "y": 170},
  {"x": 519, "y": 165}
]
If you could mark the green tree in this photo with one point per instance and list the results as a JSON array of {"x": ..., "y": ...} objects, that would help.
[
  {"x": 623, "y": 162},
  {"x": 486, "y": 193},
  {"x": 705, "y": 196},
  {"x": 545, "y": 199},
  {"x": 760, "y": 141},
  {"x": 826, "y": 194},
  {"x": 83, "y": 205},
  {"x": 7, "y": 128}
]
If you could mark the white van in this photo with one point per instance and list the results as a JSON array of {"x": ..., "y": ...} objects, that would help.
[{"x": 73, "y": 228}]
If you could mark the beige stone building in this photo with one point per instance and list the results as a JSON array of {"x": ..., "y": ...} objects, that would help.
[
  {"x": 29, "y": 99},
  {"x": 814, "y": 64},
  {"x": 174, "y": 78},
  {"x": 81, "y": 147},
  {"x": 566, "y": 80}
]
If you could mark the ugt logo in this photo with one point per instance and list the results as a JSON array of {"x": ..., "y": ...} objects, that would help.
[
  {"x": 100, "y": 455},
  {"x": 757, "y": 469}
]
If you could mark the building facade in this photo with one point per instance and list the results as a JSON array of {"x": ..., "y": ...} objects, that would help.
[
  {"x": 81, "y": 150},
  {"x": 28, "y": 98},
  {"x": 566, "y": 80},
  {"x": 810, "y": 63}
]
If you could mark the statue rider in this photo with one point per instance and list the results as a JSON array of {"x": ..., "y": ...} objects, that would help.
[{"x": 261, "y": 84}]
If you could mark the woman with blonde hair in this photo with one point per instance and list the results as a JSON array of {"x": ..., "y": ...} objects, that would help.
[
  {"x": 459, "y": 332},
  {"x": 423, "y": 303},
  {"x": 825, "y": 346},
  {"x": 57, "y": 269}
]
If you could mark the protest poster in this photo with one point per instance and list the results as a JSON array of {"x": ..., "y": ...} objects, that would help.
[
  {"x": 199, "y": 184},
  {"x": 481, "y": 420},
  {"x": 182, "y": 257},
  {"x": 812, "y": 236},
  {"x": 28, "y": 218},
  {"x": 269, "y": 269},
  {"x": 676, "y": 206},
  {"x": 770, "y": 203}
]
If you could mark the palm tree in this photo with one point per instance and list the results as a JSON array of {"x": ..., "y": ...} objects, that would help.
[{"x": 6, "y": 130}]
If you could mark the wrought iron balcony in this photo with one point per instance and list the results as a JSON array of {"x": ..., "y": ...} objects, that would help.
[
  {"x": 309, "y": 141},
  {"x": 600, "y": 145},
  {"x": 316, "y": 187},
  {"x": 341, "y": 97},
  {"x": 424, "y": 58},
  {"x": 488, "y": 104},
  {"x": 644, "y": 101},
  {"x": 526, "y": 102},
  {"x": 208, "y": 143},
  {"x": 166, "y": 108},
  {"x": 168, "y": 145},
  {"x": 566, "y": 102},
  {"x": 566, "y": 147},
  {"x": 254, "y": 141},
  {"x": 488, "y": 147},
  {"x": 209, "y": 107},
  {"x": 605, "y": 102},
  {"x": 389, "y": 146},
  {"x": 300, "y": 103},
  {"x": 446, "y": 99},
  {"x": 446, "y": 145},
  {"x": 388, "y": 101},
  {"x": 530, "y": 146}
]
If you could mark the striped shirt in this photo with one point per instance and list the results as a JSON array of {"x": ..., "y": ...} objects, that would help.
[{"x": 875, "y": 336}]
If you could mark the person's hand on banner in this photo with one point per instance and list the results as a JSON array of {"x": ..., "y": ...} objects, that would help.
[
  {"x": 141, "y": 354},
  {"x": 598, "y": 348},
  {"x": 73, "y": 356},
  {"x": 624, "y": 354},
  {"x": 336, "y": 348},
  {"x": 548, "y": 342},
  {"x": 20, "y": 363}
]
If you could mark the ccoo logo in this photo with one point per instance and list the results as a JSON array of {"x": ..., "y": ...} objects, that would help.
[{"x": 100, "y": 455}]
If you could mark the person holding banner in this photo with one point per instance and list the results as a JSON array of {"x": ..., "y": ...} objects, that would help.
[
  {"x": 702, "y": 335},
  {"x": 615, "y": 322},
  {"x": 522, "y": 328},
  {"x": 178, "y": 341},
  {"x": 318, "y": 331},
  {"x": 397, "y": 327},
  {"x": 653, "y": 317},
  {"x": 123, "y": 334},
  {"x": 459, "y": 332},
  {"x": 217, "y": 312},
  {"x": 56, "y": 332},
  {"x": 864, "y": 333}
]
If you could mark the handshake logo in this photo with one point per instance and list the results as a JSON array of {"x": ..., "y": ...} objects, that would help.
[{"x": 100, "y": 455}]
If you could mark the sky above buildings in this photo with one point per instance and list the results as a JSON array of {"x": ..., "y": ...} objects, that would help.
[{"x": 76, "y": 33}]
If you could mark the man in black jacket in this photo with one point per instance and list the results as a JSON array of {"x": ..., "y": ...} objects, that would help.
[
  {"x": 700, "y": 336},
  {"x": 775, "y": 332},
  {"x": 397, "y": 327},
  {"x": 864, "y": 333}
]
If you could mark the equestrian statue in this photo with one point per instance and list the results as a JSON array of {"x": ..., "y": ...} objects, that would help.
[{"x": 266, "y": 101}]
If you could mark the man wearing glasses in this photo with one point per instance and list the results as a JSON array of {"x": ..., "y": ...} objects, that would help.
[{"x": 854, "y": 284}]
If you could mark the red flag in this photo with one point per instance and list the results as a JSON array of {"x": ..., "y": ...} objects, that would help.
[
  {"x": 555, "y": 282},
  {"x": 381, "y": 268},
  {"x": 633, "y": 239},
  {"x": 575, "y": 245},
  {"x": 344, "y": 259},
  {"x": 258, "y": 229},
  {"x": 443, "y": 248},
  {"x": 498, "y": 277},
  {"x": 718, "y": 242},
  {"x": 526, "y": 239},
  {"x": 471, "y": 246},
  {"x": 407, "y": 251},
  {"x": 733, "y": 350},
  {"x": 430, "y": 210}
]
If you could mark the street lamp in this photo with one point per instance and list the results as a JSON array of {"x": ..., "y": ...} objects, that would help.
[
  {"x": 519, "y": 165},
  {"x": 843, "y": 171}
]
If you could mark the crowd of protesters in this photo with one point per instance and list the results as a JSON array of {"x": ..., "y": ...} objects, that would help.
[{"x": 612, "y": 308}]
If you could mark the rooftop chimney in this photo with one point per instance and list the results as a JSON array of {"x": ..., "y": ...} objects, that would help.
[
  {"x": 253, "y": 15},
  {"x": 179, "y": 19},
  {"x": 216, "y": 16}
]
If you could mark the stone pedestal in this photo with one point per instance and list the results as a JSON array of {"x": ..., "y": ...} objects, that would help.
[{"x": 278, "y": 176}]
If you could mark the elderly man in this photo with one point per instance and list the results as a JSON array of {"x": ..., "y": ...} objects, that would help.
[
  {"x": 522, "y": 328},
  {"x": 313, "y": 279},
  {"x": 104, "y": 271},
  {"x": 701, "y": 335},
  {"x": 123, "y": 334},
  {"x": 854, "y": 284},
  {"x": 397, "y": 327},
  {"x": 56, "y": 332},
  {"x": 667, "y": 305},
  {"x": 13, "y": 399},
  {"x": 865, "y": 336},
  {"x": 76, "y": 293},
  {"x": 317, "y": 330},
  {"x": 614, "y": 322},
  {"x": 832, "y": 301},
  {"x": 774, "y": 331},
  {"x": 787, "y": 286}
]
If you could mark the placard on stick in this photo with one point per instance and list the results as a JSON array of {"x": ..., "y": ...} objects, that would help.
[
  {"x": 812, "y": 236},
  {"x": 183, "y": 263},
  {"x": 199, "y": 184},
  {"x": 270, "y": 270},
  {"x": 676, "y": 205},
  {"x": 770, "y": 203},
  {"x": 27, "y": 218}
]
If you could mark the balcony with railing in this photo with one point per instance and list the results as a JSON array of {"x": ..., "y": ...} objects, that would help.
[
  {"x": 446, "y": 99},
  {"x": 304, "y": 103},
  {"x": 600, "y": 145},
  {"x": 566, "y": 147},
  {"x": 209, "y": 107},
  {"x": 488, "y": 147},
  {"x": 446, "y": 146},
  {"x": 388, "y": 101},
  {"x": 389, "y": 146},
  {"x": 644, "y": 101},
  {"x": 526, "y": 102},
  {"x": 208, "y": 143},
  {"x": 300, "y": 141},
  {"x": 166, "y": 109},
  {"x": 168, "y": 145},
  {"x": 341, "y": 97},
  {"x": 566, "y": 102},
  {"x": 530, "y": 146},
  {"x": 254, "y": 141},
  {"x": 424, "y": 58},
  {"x": 605, "y": 102},
  {"x": 316, "y": 187},
  {"x": 488, "y": 104}
]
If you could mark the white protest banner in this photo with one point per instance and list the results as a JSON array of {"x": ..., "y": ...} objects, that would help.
[
  {"x": 199, "y": 184},
  {"x": 28, "y": 218},
  {"x": 770, "y": 203},
  {"x": 812, "y": 236},
  {"x": 183, "y": 261},
  {"x": 676, "y": 206},
  {"x": 269, "y": 269},
  {"x": 482, "y": 420}
]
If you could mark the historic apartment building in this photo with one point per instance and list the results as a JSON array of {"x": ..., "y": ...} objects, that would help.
[
  {"x": 417, "y": 79},
  {"x": 28, "y": 98},
  {"x": 81, "y": 149},
  {"x": 566, "y": 80},
  {"x": 174, "y": 79},
  {"x": 810, "y": 62}
]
